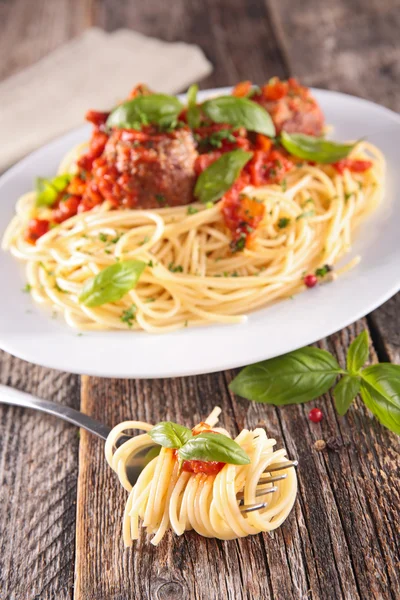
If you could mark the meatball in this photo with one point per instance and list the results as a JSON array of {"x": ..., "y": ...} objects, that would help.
[
  {"x": 159, "y": 166},
  {"x": 292, "y": 107}
]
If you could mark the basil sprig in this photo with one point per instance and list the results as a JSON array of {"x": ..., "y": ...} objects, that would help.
[
  {"x": 312, "y": 148},
  {"x": 239, "y": 112},
  {"x": 305, "y": 374},
  {"x": 158, "y": 109},
  {"x": 193, "y": 111},
  {"x": 219, "y": 177},
  {"x": 47, "y": 190},
  {"x": 169, "y": 434},
  {"x": 205, "y": 447},
  {"x": 211, "y": 446},
  {"x": 112, "y": 283}
]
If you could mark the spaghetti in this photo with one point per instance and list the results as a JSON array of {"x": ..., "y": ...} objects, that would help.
[
  {"x": 167, "y": 498},
  {"x": 192, "y": 275}
]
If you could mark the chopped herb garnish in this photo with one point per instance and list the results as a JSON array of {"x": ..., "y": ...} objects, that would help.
[
  {"x": 348, "y": 195},
  {"x": 116, "y": 239},
  {"x": 284, "y": 185},
  {"x": 191, "y": 210},
  {"x": 107, "y": 251},
  {"x": 216, "y": 138},
  {"x": 161, "y": 199},
  {"x": 129, "y": 315},
  {"x": 103, "y": 237},
  {"x": 308, "y": 201},
  {"x": 57, "y": 287},
  {"x": 175, "y": 268},
  {"x": 283, "y": 222},
  {"x": 49, "y": 273},
  {"x": 148, "y": 300},
  {"x": 304, "y": 215},
  {"x": 150, "y": 263},
  {"x": 144, "y": 241},
  {"x": 322, "y": 271},
  {"x": 239, "y": 244},
  {"x": 27, "y": 288}
]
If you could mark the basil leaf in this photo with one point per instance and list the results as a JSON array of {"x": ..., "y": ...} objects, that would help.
[
  {"x": 380, "y": 390},
  {"x": 293, "y": 378},
  {"x": 170, "y": 435},
  {"x": 219, "y": 177},
  {"x": 193, "y": 111},
  {"x": 47, "y": 190},
  {"x": 213, "y": 446},
  {"x": 345, "y": 392},
  {"x": 159, "y": 109},
  {"x": 357, "y": 354},
  {"x": 313, "y": 148},
  {"x": 239, "y": 112},
  {"x": 112, "y": 283}
]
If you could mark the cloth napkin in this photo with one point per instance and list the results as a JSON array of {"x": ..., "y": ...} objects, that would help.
[{"x": 94, "y": 70}]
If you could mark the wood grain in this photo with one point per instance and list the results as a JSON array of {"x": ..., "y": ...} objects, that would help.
[
  {"x": 342, "y": 539},
  {"x": 38, "y": 474},
  {"x": 237, "y": 36},
  {"x": 351, "y": 46},
  {"x": 30, "y": 30}
]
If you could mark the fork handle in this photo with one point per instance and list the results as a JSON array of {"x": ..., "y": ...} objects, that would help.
[{"x": 9, "y": 395}]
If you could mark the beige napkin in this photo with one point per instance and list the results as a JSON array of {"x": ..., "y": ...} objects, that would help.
[{"x": 95, "y": 71}]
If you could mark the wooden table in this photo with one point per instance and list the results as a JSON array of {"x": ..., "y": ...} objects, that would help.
[{"x": 61, "y": 507}]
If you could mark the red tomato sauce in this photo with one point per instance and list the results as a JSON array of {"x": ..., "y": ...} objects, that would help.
[
  {"x": 130, "y": 168},
  {"x": 209, "y": 467},
  {"x": 352, "y": 164}
]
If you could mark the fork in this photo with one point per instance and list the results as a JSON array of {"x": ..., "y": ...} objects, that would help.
[{"x": 14, "y": 397}]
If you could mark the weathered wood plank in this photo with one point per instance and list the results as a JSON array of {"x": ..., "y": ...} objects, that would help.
[
  {"x": 30, "y": 30},
  {"x": 237, "y": 36},
  {"x": 385, "y": 327},
  {"x": 350, "y": 46},
  {"x": 38, "y": 454},
  {"x": 38, "y": 473},
  {"x": 341, "y": 541}
]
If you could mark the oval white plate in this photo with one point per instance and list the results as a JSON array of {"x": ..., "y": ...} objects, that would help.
[{"x": 29, "y": 332}]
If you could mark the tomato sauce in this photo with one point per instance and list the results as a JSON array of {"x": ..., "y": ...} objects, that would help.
[
  {"x": 352, "y": 164},
  {"x": 130, "y": 168},
  {"x": 209, "y": 467}
]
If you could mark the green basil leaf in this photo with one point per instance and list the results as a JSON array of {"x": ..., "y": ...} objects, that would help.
[
  {"x": 380, "y": 390},
  {"x": 357, "y": 354},
  {"x": 345, "y": 392},
  {"x": 159, "y": 109},
  {"x": 293, "y": 378},
  {"x": 213, "y": 446},
  {"x": 112, "y": 283},
  {"x": 170, "y": 435},
  {"x": 239, "y": 112},
  {"x": 193, "y": 111},
  {"x": 219, "y": 177},
  {"x": 47, "y": 190},
  {"x": 313, "y": 148}
]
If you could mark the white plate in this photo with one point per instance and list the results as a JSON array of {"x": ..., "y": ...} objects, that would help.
[{"x": 29, "y": 332}]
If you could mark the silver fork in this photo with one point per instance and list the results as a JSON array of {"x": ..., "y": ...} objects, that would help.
[{"x": 14, "y": 397}]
